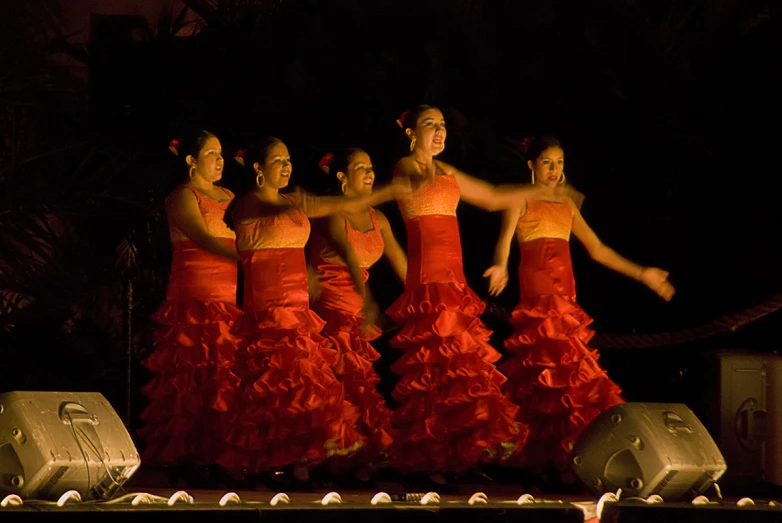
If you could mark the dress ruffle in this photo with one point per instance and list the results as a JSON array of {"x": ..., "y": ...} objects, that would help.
[
  {"x": 453, "y": 414},
  {"x": 554, "y": 376},
  {"x": 291, "y": 408},
  {"x": 191, "y": 364},
  {"x": 354, "y": 368}
]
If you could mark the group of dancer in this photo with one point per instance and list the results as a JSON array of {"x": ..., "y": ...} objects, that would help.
[{"x": 287, "y": 380}]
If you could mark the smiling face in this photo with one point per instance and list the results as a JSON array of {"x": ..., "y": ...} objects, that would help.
[
  {"x": 360, "y": 176},
  {"x": 429, "y": 132},
  {"x": 276, "y": 167},
  {"x": 209, "y": 164},
  {"x": 548, "y": 166}
]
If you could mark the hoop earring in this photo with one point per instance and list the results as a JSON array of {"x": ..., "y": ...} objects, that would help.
[
  {"x": 412, "y": 144},
  {"x": 192, "y": 172},
  {"x": 259, "y": 180},
  {"x": 561, "y": 178},
  {"x": 533, "y": 176},
  {"x": 344, "y": 187}
]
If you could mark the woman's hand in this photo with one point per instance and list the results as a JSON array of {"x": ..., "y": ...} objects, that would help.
[
  {"x": 370, "y": 311},
  {"x": 498, "y": 279},
  {"x": 657, "y": 280}
]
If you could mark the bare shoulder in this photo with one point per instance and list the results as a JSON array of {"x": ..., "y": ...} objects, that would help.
[
  {"x": 447, "y": 168},
  {"x": 382, "y": 219},
  {"x": 180, "y": 197},
  {"x": 570, "y": 202},
  {"x": 407, "y": 166}
]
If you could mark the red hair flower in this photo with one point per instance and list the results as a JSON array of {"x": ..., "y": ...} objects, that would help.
[
  {"x": 401, "y": 120},
  {"x": 324, "y": 162},
  {"x": 173, "y": 146},
  {"x": 239, "y": 156},
  {"x": 526, "y": 142}
]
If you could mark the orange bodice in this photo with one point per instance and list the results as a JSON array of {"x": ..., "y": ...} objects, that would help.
[
  {"x": 287, "y": 230},
  {"x": 544, "y": 219},
  {"x": 439, "y": 196},
  {"x": 272, "y": 252},
  {"x": 213, "y": 212},
  {"x": 367, "y": 245},
  {"x": 197, "y": 274}
]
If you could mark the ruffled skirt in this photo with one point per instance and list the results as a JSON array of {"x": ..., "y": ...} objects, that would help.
[
  {"x": 552, "y": 374},
  {"x": 290, "y": 408},
  {"x": 452, "y": 412}
]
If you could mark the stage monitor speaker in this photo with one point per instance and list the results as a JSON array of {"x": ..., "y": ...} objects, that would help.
[
  {"x": 53, "y": 442},
  {"x": 646, "y": 449}
]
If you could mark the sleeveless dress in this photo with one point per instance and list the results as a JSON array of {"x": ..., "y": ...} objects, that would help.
[
  {"x": 552, "y": 374},
  {"x": 194, "y": 351},
  {"x": 339, "y": 304},
  {"x": 291, "y": 408},
  {"x": 452, "y": 413}
]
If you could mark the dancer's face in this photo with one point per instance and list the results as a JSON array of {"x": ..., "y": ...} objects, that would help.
[
  {"x": 276, "y": 168},
  {"x": 209, "y": 164},
  {"x": 360, "y": 177},
  {"x": 548, "y": 166},
  {"x": 429, "y": 132}
]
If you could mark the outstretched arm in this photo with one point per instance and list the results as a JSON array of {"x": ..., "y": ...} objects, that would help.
[
  {"x": 499, "y": 197},
  {"x": 498, "y": 273},
  {"x": 182, "y": 209},
  {"x": 654, "y": 278},
  {"x": 319, "y": 206},
  {"x": 392, "y": 250}
]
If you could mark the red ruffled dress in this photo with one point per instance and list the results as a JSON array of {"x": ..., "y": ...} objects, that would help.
[
  {"x": 452, "y": 413},
  {"x": 291, "y": 408},
  {"x": 339, "y": 303},
  {"x": 194, "y": 351},
  {"x": 552, "y": 374}
]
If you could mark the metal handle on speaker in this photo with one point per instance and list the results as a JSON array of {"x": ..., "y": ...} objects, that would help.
[
  {"x": 675, "y": 423},
  {"x": 750, "y": 424}
]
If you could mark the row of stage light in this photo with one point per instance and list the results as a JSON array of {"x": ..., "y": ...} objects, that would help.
[{"x": 281, "y": 499}]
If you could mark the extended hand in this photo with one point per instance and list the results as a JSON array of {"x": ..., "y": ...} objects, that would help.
[
  {"x": 498, "y": 279},
  {"x": 370, "y": 311},
  {"x": 657, "y": 280}
]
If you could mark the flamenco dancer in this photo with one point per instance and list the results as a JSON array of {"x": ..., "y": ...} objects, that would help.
[
  {"x": 291, "y": 411},
  {"x": 343, "y": 249},
  {"x": 553, "y": 376},
  {"x": 452, "y": 414},
  {"x": 193, "y": 348}
]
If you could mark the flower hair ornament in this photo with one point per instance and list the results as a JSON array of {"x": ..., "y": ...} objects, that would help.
[
  {"x": 525, "y": 143},
  {"x": 239, "y": 156},
  {"x": 401, "y": 120},
  {"x": 173, "y": 146},
  {"x": 324, "y": 163}
]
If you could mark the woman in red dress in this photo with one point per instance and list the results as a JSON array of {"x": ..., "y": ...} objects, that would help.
[
  {"x": 342, "y": 251},
  {"x": 552, "y": 374},
  {"x": 291, "y": 410},
  {"x": 193, "y": 348},
  {"x": 453, "y": 414}
]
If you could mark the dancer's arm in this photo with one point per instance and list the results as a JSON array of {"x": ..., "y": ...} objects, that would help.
[
  {"x": 313, "y": 284},
  {"x": 182, "y": 209},
  {"x": 487, "y": 196},
  {"x": 498, "y": 273},
  {"x": 392, "y": 250},
  {"x": 654, "y": 278},
  {"x": 337, "y": 237},
  {"x": 315, "y": 206}
]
